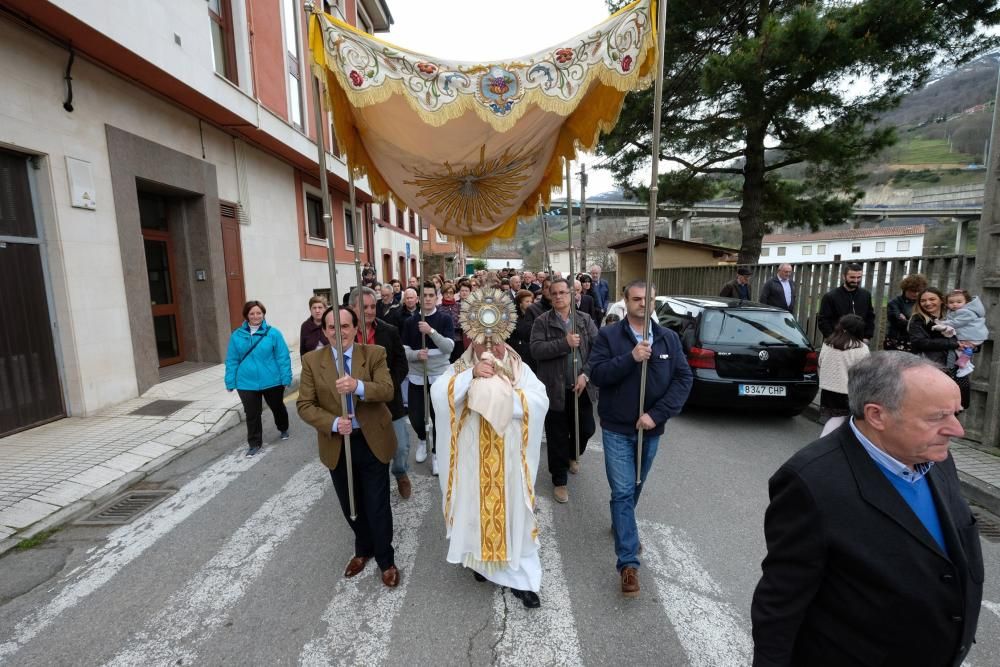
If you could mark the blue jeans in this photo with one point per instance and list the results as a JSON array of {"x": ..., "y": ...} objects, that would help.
[
  {"x": 619, "y": 462},
  {"x": 401, "y": 460}
]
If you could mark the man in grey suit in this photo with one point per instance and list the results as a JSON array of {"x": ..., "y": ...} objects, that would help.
[{"x": 873, "y": 556}]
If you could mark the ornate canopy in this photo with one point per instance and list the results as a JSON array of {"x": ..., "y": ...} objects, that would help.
[{"x": 474, "y": 146}]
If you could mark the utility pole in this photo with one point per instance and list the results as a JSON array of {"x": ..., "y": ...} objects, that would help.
[{"x": 584, "y": 223}]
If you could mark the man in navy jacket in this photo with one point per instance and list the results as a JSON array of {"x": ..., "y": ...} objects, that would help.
[{"x": 616, "y": 368}]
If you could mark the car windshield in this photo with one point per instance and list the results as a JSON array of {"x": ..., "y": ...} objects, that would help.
[{"x": 751, "y": 327}]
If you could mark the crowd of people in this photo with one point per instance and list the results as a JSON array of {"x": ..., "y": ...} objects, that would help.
[
  {"x": 481, "y": 367},
  {"x": 420, "y": 355},
  {"x": 946, "y": 328}
]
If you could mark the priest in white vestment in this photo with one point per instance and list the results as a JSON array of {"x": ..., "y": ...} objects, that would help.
[{"x": 491, "y": 411}]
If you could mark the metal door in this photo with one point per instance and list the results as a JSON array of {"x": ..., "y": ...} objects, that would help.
[{"x": 30, "y": 392}]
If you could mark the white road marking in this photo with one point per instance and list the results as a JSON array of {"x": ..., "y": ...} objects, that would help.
[
  {"x": 992, "y": 606},
  {"x": 192, "y": 614},
  {"x": 359, "y": 618},
  {"x": 127, "y": 543},
  {"x": 710, "y": 629},
  {"x": 543, "y": 636}
]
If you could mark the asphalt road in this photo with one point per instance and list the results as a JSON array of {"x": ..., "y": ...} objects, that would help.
[{"x": 243, "y": 565}]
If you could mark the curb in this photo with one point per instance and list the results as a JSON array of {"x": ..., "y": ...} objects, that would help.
[
  {"x": 91, "y": 501},
  {"x": 979, "y": 492},
  {"x": 975, "y": 491}
]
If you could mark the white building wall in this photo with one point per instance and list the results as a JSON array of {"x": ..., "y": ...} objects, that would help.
[
  {"x": 827, "y": 250},
  {"x": 560, "y": 261},
  {"x": 83, "y": 256}
]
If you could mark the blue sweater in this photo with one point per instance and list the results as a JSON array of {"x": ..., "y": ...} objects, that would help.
[{"x": 920, "y": 499}]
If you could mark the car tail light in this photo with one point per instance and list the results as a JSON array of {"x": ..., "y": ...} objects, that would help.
[
  {"x": 810, "y": 366},
  {"x": 699, "y": 357}
]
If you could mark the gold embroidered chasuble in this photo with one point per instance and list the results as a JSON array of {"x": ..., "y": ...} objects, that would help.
[{"x": 488, "y": 484}]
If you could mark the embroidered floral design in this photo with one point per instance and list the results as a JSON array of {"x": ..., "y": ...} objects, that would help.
[
  {"x": 500, "y": 84},
  {"x": 564, "y": 55},
  {"x": 559, "y": 74}
]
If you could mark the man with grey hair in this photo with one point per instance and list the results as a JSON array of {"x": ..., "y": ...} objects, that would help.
[
  {"x": 600, "y": 289},
  {"x": 379, "y": 332},
  {"x": 873, "y": 557},
  {"x": 778, "y": 291}
]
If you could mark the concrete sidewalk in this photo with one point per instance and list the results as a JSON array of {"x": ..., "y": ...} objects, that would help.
[{"x": 57, "y": 472}]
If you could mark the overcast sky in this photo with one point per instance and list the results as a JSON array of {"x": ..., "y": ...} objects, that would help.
[{"x": 488, "y": 30}]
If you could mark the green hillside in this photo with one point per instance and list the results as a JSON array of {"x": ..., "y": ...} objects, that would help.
[{"x": 927, "y": 151}]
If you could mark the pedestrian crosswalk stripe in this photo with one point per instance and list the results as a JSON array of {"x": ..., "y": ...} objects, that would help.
[
  {"x": 197, "y": 610},
  {"x": 127, "y": 543},
  {"x": 359, "y": 618},
  {"x": 710, "y": 629},
  {"x": 543, "y": 636}
]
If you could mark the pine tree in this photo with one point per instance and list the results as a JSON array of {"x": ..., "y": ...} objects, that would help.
[{"x": 752, "y": 89}]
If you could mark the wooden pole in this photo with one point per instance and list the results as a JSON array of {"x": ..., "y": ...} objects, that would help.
[
  {"x": 661, "y": 29},
  {"x": 572, "y": 306},
  {"x": 332, "y": 267}
]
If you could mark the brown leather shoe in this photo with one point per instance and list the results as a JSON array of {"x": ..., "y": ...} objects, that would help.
[
  {"x": 561, "y": 494},
  {"x": 390, "y": 576},
  {"x": 405, "y": 488},
  {"x": 574, "y": 467},
  {"x": 630, "y": 582},
  {"x": 355, "y": 565}
]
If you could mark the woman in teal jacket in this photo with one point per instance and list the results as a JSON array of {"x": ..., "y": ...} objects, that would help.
[{"x": 258, "y": 367}]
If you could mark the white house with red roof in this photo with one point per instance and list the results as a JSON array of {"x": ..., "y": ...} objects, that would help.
[{"x": 844, "y": 245}]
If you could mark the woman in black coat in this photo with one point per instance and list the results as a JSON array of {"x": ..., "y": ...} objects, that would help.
[
  {"x": 900, "y": 309},
  {"x": 520, "y": 340},
  {"x": 933, "y": 345}
]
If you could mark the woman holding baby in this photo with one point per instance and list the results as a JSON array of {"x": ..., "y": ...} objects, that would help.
[{"x": 947, "y": 330}]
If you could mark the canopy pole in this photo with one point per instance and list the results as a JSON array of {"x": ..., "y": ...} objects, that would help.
[
  {"x": 355, "y": 226},
  {"x": 546, "y": 262},
  {"x": 334, "y": 291},
  {"x": 428, "y": 422},
  {"x": 661, "y": 30},
  {"x": 575, "y": 352}
]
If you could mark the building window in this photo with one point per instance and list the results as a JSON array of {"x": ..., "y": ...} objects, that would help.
[
  {"x": 765, "y": 252},
  {"x": 399, "y": 218},
  {"x": 314, "y": 214},
  {"x": 902, "y": 246},
  {"x": 349, "y": 229},
  {"x": 880, "y": 246},
  {"x": 821, "y": 249},
  {"x": 781, "y": 251},
  {"x": 441, "y": 238},
  {"x": 383, "y": 212},
  {"x": 413, "y": 222},
  {"x": 807, "y": 250},
  {"x": 855, "y": 247},
  {"x": 223, "y": 42},
  {"x": 364, "y": 23},
  {"x": 293, "y": 49}
]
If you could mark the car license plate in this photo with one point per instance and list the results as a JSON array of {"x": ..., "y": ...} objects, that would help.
[{"x": 762, "y": 390}]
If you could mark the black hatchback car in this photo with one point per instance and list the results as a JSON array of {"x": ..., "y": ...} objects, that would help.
[{"x": 743, "y": 354}]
